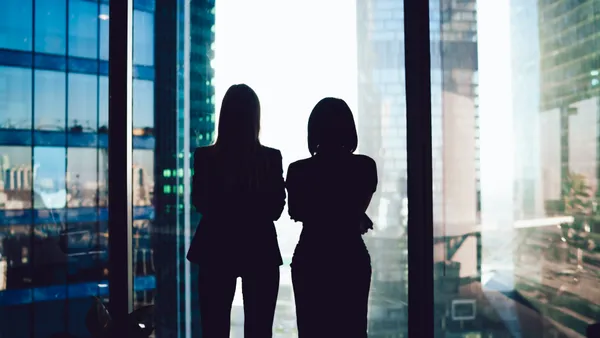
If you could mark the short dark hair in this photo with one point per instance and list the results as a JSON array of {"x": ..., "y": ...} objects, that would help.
[
  {"x": 239, "y": 118},
  {"x": 331, "y": 126}
]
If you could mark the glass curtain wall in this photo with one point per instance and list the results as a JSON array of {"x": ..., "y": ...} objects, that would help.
[
  {"x": 516, "y": 101},
  {"x": 54, "y": 160},
  {"x": 54, "y": 145}
]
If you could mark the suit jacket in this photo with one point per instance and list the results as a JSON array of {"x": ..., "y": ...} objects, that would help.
[{"x": 239, "y": 198}]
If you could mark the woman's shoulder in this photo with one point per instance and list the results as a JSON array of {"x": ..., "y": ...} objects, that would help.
[
  {"x": 363, "y": 160},
  {"x": 270, "y": 151},
  {"x": 204, "y": 150},
  {"x": 303, "y": 163}
]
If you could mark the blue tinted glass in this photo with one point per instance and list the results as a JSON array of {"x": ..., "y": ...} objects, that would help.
[
  {"x": 15, "y": 95},
  {"x": 103, "y": 32},
  {"x": 83, "y": 29},
  {"x": 143, "y": 177},
  {"x": 49, "y": 168},
  {"x": 83, "y": 102},
  {"x": 49, "y": 100},
  {"x": 82, "y": 177},
  {"x": 16, "y": 24},
  {"x": 15, "y": 176},
  {"x": 103, "y": 103},
  {"x": 143, "y": 104},
  {"x": 143, "y": 38},
  {"x": 50, "y": 26}
]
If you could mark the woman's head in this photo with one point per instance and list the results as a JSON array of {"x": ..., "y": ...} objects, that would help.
[
  {"x": 239, "y": 119},
  {"x": 331, "y": 127}
]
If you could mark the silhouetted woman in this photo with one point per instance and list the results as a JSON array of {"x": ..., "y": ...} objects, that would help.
[
  {"x": 238, "y": 188},
  {"x": 329, "y": 193}
]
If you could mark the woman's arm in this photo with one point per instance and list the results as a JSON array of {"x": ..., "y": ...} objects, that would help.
[
  {"x": 295, "y": 200},
  {"x": 275, "y": 199},
  {"x": 200, "y": 195}
]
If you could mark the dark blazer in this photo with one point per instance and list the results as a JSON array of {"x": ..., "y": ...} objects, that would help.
[{"x": 237, "y": 229}]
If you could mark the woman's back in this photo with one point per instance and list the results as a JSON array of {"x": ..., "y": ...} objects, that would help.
[
  {"x": 239, "y": 197},
  {"x": 329, "y": 194}
]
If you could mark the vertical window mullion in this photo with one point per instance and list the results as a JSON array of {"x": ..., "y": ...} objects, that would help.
[
  {"x": 120, "y": 158},
  {"x": 419, "y": 161}
]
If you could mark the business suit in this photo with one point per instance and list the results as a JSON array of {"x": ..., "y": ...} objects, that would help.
[
  {"x": 327, "y": 193},
  {"x": 239, "y": 195}
]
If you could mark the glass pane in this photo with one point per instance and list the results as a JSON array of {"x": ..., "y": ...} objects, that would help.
[
  {"x": 516, "y": 91},
  {"x": 53, "y": 179},
  {"x": 143, "y": 105},
  {"x": 83, "y": 29},
  {"x": 144, "y": 227},
  {"x": 51, "y": 26},
  {"x": 103, "y": 31},
  {"x": 49, "y": 100},
  {"x": 143, "y": 38},
  {"x": 367, "y": 54},
  {"x": 16, "y": 26},
  {"x": 83, "y": 103},
  {"x": 15, "y": 92}
]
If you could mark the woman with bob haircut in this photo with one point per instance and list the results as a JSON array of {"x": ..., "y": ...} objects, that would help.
[
  {"x": 329, "y": 193},
  {"x": 238, "y": 188}
]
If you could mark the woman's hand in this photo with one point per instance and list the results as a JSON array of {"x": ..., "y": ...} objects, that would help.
[{"x": 365, "y": 224}]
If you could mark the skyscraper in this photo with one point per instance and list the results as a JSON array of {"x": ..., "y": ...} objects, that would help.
[
  {"x": 382, "y": 126},
  {"x": 570, "y": 88}
]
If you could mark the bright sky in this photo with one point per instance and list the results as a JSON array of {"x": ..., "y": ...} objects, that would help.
[{"x": 293, "y": 53}]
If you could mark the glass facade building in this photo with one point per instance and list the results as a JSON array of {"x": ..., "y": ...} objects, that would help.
[{"x": 498, "y": 119}]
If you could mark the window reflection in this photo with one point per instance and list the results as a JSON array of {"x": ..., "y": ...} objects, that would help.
[
  {"x": 49, "y": 100},
  {"x": 50, "y": 26},
  {"x": 16, "y": 178},
  {"x": 15, "y": 95},
  {"x": 16, "y": 24},
  {"x": 143, "y": 105},
  {"x": 49, "y": 177},
  {"x": 103, "y": 104},
  {"x": 83, "y": 97},
  {"x": 104, "y": 17},
  {"x": 520, "y": 137},
  {"x": 82, "y": 177},
  {"x": 143, "y": 177},
  {"x": 103, "y": 177},
  {"x": 143, "y": 38},
  {"x": 83, "y": 28}
]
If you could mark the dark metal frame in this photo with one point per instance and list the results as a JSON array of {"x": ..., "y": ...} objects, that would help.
[
  {"x": 419, "y": 158},
  {"x": 120, "y": 138},
  {"x": 420, "y": 174}
]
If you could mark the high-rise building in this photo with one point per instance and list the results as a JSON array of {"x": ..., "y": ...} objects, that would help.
[
  {"x": 381, "y": 118},
  {"x": 54, "y": 118},
  {"x": 570, "y": 91},
  {"x": 382, "y": 130}
]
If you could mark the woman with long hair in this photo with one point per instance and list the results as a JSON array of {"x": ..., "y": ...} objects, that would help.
[
  {"x": 238, "y": 188},
  {"x": 329, "y": 193}
]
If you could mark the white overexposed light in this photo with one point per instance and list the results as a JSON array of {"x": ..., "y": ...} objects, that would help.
[{"x": 103, "y": 16}]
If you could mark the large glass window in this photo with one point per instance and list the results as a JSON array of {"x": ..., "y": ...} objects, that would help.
[
  {"x": 51, "y": 26},
  {"x": 50, "y": 100},
  {"x": 16, "y": 26},
  {"x": 15, "y": 98},
  {"x": 83, "y": 28},
  {"x": 53, "y": 180},
  {"x": 517, "y": 94}
]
